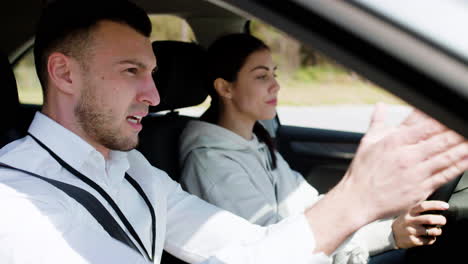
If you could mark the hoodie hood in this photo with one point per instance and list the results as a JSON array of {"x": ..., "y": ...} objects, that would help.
[{"x": 200, "y": 134}]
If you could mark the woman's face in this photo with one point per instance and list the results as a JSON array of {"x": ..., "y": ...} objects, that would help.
[{"x": 255, "y": 92}]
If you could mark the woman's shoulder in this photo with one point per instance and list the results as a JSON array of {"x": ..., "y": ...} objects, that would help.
[
  {"x": 209, "y": 140},
  {"x": 215, "y": 157}
]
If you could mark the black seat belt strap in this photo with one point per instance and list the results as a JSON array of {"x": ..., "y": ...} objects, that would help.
[
  {"x": 111, "y": 202},
  {"x": 91, "y": 203}
]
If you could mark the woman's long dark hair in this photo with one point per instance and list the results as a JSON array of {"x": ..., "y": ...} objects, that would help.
[{"x": 226, "y": 56}]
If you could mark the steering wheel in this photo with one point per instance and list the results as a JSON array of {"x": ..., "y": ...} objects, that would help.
[
  {"x": 445, "y": 191},
  {"x": 444, "y": 248}
]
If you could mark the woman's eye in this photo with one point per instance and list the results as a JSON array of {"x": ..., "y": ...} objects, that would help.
[{"x": 262, "y": 77}]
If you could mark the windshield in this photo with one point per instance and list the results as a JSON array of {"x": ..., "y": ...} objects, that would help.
[{"x": 444, "y": 22}]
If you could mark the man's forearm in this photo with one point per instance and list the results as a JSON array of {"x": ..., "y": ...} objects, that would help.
[{"x": 335, "y": 217}]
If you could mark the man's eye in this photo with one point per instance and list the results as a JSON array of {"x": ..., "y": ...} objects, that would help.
[{"x": 132, "y": 70}]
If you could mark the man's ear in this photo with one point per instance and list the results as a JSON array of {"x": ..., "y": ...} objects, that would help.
[
  {"x": 223, "y": 88},
  {"x": 59, "y": 71}
]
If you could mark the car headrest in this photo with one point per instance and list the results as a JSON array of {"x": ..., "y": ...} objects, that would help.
[
  {"x": 12, "y": 127},
  {"x": 10, "y": 99},
  {"x": 180, "y": 77}
]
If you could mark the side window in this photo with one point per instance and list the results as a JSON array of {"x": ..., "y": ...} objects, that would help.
[
  {"x": 317, "y": 92},
  {"x": 29, "y": 88},
  {"x": 165, "y": 27},
  {"x": 168, "y": 27}
]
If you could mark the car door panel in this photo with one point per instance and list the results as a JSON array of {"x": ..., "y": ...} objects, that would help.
[{"x": 321, "y": 156}]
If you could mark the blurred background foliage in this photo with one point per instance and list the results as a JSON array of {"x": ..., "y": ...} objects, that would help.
[{"x": 306, "y": 77}]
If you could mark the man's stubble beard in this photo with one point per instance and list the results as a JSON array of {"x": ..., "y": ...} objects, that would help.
[{"x": 97, "y": 122}]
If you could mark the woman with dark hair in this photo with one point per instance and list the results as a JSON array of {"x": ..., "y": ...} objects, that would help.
[{"x": 229, "y": 159}]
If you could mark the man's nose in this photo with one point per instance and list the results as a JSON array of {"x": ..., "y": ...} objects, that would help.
[{"x": 149, "y": 93}]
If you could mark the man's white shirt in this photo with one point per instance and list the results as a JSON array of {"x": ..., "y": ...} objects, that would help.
[{"x": 42, "y": 224}]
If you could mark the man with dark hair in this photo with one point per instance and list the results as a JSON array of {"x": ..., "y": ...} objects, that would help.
[
  {"x": 95, "y": 62},
  {"x": 70, "y": 34}
]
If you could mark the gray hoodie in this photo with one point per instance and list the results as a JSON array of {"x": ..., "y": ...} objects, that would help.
[{"x": 233, "y": 173}]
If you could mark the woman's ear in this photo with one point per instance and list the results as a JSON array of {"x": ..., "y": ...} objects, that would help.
[
  {"x": 223, "y": 88},
  {"x": 59, "y": 71}
]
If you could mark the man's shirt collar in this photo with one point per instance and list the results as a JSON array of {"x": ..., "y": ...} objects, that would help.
[{"x": 78, "y": 153}]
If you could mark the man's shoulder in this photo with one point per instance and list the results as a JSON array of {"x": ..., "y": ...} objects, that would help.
[
  {"x": 24, "y": 153},
  {"x": 18, "y": 189},
  {"x": 26, "y": 197},
  {"x": 12, "y": 146}
]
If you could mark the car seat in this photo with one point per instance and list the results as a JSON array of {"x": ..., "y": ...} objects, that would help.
[
  {"x": 15, "y": 123},
  {"x": 180, "y": 82}
]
